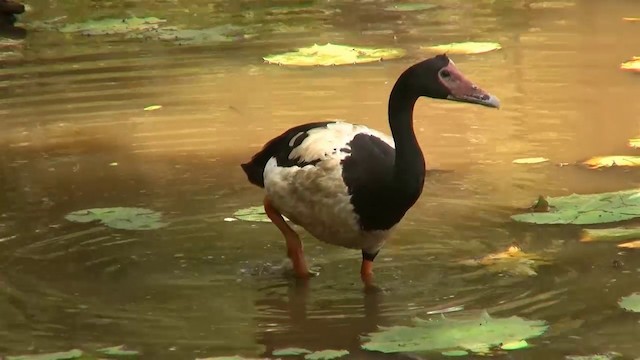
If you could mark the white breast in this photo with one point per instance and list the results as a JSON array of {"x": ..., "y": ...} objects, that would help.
[{"x": 315, "y": 196}]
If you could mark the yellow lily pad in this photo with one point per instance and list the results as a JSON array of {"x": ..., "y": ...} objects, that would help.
[
  {"x": 152, "y": 107},
  {"x": 611, "y": 234},
  {"x": 331, "y": 54},
  {"x": 631, "y": 19},
  {"x": 531, "y": 160},
  {"x": 630, "y": 245},
  {"x": 634, "y": 143},
  {"x": 631, "y": 65},
  {"x": 614, "y": 160},
  {"x": 513, "y": 261},
  {"x": 469, "y": 47}
]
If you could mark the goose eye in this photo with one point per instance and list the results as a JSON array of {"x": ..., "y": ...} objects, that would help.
[{"x": 445, "y": 73}]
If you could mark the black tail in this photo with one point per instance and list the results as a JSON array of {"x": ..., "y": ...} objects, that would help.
[{"x": 255, "y": 173}]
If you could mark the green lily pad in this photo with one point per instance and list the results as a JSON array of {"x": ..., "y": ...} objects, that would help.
[
  {"x": 607, "y": 356},
  {"x": 476, "y": 335},
  {"x": 410, "y": 7},
  {"x": 125, "y": 218},
  {"x": 64, "y": 355},
  {"x": 587, "y": 209},
  {"x": 112, "y": 26},
  {"x": 292, "y": 351},
  {"x": 218, "y": 34},
  {"x": 631, "y": 302},
  {"x": 455, "y": 353},
  {"x": 469, "y": 47},
  {"x": 326, "y": 355},
  {"x": 330, "y": 54},
  {"x": 119, "y": 350},
  {"x": 253, "y": 213}
]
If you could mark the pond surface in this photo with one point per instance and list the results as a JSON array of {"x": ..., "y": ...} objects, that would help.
[{"x": 74, "y": 135}]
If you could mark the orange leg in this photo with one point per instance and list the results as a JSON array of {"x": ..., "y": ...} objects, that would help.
[
  {"x": 366, "y": 272},
  {"x": 294, "y": 245}
]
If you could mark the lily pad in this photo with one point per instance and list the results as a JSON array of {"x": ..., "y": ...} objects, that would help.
[
  {"x": 587, "y": 209},
  {"x": 112, "y": 26},
  {"x": 630, "y": 245},
  {"x": 326, "y": 355},
  {"x": 455, "y": 353},
  {"x": 218, "y": 34},
  {"x": 253, "y": 213},
  {"x": 464, "y": 47},
  {"x": 119, "y": 350},
  {"x": 514, "y": 261},
  {"x": 634, "y": 143},
  {"x": 631, "y": 65},
  {"x": 531, "y": 160},
  {"x": 631, "y": 302},
  {"x": 611, "y": 234},
  {"x": 410, "y": 7},
  {"x": 292, "y": 351},
  {"x": 607, "y": 356},
  {"x": 631, "y": 19},
  {"x": 330, "y": 54},
  {"x": 551, "y": 5},
  {"x": 610, "y": 161},
  {"x": 476, "y": 335},
  {"x": 125, "y": 218},
  {"x": 64, "y": 355}
]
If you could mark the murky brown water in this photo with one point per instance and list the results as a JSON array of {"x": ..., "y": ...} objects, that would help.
[{"x": 71, "y": 105}]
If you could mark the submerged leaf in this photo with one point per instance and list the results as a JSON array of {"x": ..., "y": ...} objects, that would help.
[
  {"x": 611, "y": 234},
  {"x": 531, "y": 160},
  {"x": 587, "y": 209},
  {"x": 631, "y": 65},
  {"x": 410, "y": 7},
  {"x": 65, "y": 355},
  {"x": 444, "y": 334},
  {"x": 464, "y": 47},
  {"x": 326, "y": 355},
  {"x": 631, "y": 302},
  {"x": 119, "y": 350},
  {"x": 292, "y": 351},
  {"x": 513, "y": 261},
  {"x": 218, "y": 34},
  {"x": 112, "y": 26},
  {"x": 254, "y": 213},
  {"x": 614, "y": 160},
  {"x": 330, "y": 54},
  {"x": 124, "y": 218}
]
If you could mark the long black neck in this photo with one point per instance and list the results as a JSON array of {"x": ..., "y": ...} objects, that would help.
[{"x": 409, "y": 167}]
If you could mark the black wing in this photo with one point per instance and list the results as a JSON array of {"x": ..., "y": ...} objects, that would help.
[{"x": 279, "y": 148}]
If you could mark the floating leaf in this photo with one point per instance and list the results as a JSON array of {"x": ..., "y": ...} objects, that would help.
[
  {"x": 119, "y": 350},
  {"x": 609, "y": 161},
  {"x": 292, "y": 351},
  {"x": 112, "y": 26},
  {"x": 472, "y": 334},
  {"x": 153, "y": 107},
  {"x": 631, "y": 65},
  {"x": 551, "y": 5},
  {"x": 65, "y": 355},
  {"x": 464, "y": 47},
  {"x": 634, "y": 143},
  {"x": 254, "y": 213},
  {"x": 587, "y": 209},
  {"x": 218, "y": 34},
  {"x": 631, "y": 19},
  {"x": 630, "y": 245},
  {"x": 612, "y": 234},
  {"x": 607, "y": 356},
  {"x": 455, "y": 353},
  {"x": 531, "y": 160},
  {"x": 410, "y": 7},
  {"x": 330, "y": 54},
  {"x": 631, "y": 302},
  {"x": 513, "y": 261},
  {"x": 125, "y": 218},
  {"x": 326, "y": 355}
]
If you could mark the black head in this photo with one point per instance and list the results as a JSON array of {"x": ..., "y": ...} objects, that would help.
[{"x": 438, "y": 78}]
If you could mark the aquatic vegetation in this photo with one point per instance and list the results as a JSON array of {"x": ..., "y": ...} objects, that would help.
[
  {"x": 631, "y": 19},
  {"x": 112, "y": 26},
  {"x": 63, "y": 355},
  {"x": 218, "y": 34},
  {"x": 531, "y": 160},
  {"x": 331, "y": 54},
  {"x": 448, "y": 335},
  {"x": 124, "y": 218},
  {"x": 630, "y": 245},
  {"x": 631, "y": 302},
  {"x": 551, "y": 5},
  {"x": 606, "y": 356},
  {"x": 634, "y": 143},
  {"x": 291, "y": 351},
  {"x": 631, "y": 65},
  {"x": 464, "y": 47},
  {"x": 513, "y": 261},
  {"x": 326, "y": 355},
  {"x": 614, "y": 160},
  {"x": 119, "y": 350},
  {"x": 410, "y": 7},
  {"x": 586, "y": 209},
  {"x": 611, "y": 234},
  {"x": 253, "y": 213},
  {"x": 152, "y": 107}
]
